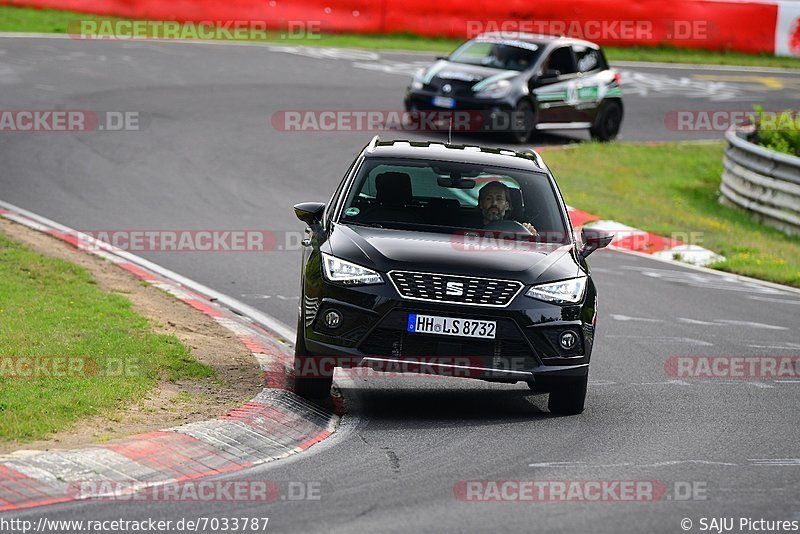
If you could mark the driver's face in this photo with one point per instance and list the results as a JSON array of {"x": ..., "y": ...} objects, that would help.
[{"x": 494, "y": 204}]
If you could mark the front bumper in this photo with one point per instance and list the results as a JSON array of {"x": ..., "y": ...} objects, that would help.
[
  {"x": 372, "y": 332},
  {"x": 471, "y": 114},
  {"x": 423, "y": 100}
]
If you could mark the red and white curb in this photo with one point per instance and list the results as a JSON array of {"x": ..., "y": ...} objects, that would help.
[
  {"x": 633, "y": 239},
  {"x": 273, "y": 425}
]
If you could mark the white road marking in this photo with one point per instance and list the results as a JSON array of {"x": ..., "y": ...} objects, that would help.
[
  {"x": 731, "y": 322},
  {"x": 705, "y": 281},
  {"x": 782, "y": 346},
  {"x": 625, "y": 318},
  {"x": 631, "y": 464},
  {"x": 697, "y": 321},
  {"x": 265, "y": 297},
  {"x": 393, "y": 67},
  {"x": 318, "y": 52},
  {"x": 683, "y": 383},
  {"x": 761, "y": 462},
  {"x": 601, "y": 383},
  {"x": 775, "y": 462},
  {"x": 761, "y": 385},
  {"x": 751, "y": 324},
  {"x": 667, "y": 383},
  {"x": 768, "y": 299},
  {"x": 654, "y": 85},
  {"x": 664, "y": 339}
]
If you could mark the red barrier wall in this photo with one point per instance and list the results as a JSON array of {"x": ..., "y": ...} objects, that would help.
[{"x": 742, "y": 26}]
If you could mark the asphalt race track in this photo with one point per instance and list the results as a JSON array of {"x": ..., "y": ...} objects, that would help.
[{"x": 208, "y": 157}]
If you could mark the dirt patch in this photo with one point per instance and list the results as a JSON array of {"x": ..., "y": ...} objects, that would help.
[{"x": 168, "y": 404}]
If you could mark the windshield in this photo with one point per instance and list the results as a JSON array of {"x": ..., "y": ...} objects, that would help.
[
  {"x": 499, "y": 54},
  {"x": 450, "y": 197}
]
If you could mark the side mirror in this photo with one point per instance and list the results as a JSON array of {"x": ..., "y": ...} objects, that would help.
[
  {"x": 593, "y": 240},
  {"x": 309, "y": 212},
  {"x": 441, "y": 58},
  {"x": 547, "y": 76}
]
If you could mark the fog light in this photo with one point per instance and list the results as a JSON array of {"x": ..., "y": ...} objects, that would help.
[
  {"x": 333, "y": 319},
  {"x": 568, "y": 340}
]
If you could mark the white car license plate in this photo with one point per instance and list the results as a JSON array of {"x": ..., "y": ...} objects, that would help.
[
  {"x": 447, "y": 326},
  {"x": 444, "y": 102}
]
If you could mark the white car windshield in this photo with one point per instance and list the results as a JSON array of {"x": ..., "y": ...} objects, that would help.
[
  {"x": 499, "y": 54},
  {"x": 444, "y": 196}
]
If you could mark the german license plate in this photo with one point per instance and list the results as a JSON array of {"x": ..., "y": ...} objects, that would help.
[
  {"x": 447, "y": 326},
  {"x": 444, "y": 102}
]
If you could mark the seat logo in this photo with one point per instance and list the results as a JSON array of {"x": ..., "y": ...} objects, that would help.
[{"x": 455, "y": 288}]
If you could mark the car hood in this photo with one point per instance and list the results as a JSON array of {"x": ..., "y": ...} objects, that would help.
[
  {"x": 445, "y": 71},
  {"x": 386, "y": 250}
]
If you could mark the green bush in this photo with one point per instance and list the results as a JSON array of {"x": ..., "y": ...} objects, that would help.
[{"x": 778, "y": 131}]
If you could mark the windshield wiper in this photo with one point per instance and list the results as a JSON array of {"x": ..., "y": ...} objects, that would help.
[{"x": 367, "y": 224}]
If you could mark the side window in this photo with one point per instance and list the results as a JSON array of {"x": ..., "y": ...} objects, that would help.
[
  {"x": 589, "y": 59},
  {"x": 561, "y": 60}
]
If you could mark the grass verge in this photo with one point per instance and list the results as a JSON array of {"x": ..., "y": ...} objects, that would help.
[
  {"x": 673, "y": 188},
  {"x": 20, "y": 19},
  {"x": 69, "y": 350}
]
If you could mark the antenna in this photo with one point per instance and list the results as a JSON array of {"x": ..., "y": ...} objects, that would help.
[{"x": 450, "y": 132}]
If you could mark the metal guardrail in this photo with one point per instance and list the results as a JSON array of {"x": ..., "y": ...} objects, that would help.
[{"x": 763, "y": 182}]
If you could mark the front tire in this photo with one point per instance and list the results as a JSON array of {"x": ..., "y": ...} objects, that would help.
[
  {"x": 307, "y": 380},
  {"x": 570, "y": 398},
  {"x": 607, "y": 123},
  {"x": 523, "y": 122}
]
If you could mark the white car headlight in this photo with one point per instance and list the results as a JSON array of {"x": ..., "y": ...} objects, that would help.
[
  {"x": 564, "y": 292},
  {"x": 494, "y": 90},
  {"x": 417, "y": 82},
  {"x": 345, "y": 272}
]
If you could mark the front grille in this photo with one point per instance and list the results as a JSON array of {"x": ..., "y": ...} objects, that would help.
[
  {"x": 310, "y": 308},
  {"x": 474, "y": 291},
  {"x": 459, "y": 87}
]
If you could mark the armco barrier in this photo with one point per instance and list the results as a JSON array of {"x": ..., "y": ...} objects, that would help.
[
  {"x": 754, "y": 26},
  {"x": 761, "y": 181}
]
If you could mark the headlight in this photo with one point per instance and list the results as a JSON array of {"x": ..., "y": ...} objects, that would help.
[
  {"x": 416, "y": 83},
  {"x": 564, "y": 292},
  {"x": 494, "y": 90},
  {"x": 344, "y": 272}
]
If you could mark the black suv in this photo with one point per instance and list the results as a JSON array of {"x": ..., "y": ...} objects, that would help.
[
  {"x": 520, "y": 83},
  {"x": 451, "y": 259}
]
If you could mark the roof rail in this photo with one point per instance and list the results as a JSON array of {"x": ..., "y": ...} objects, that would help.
[
  {"x": 373, "y": 143},
  {"x": 535, "y": 155}
]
